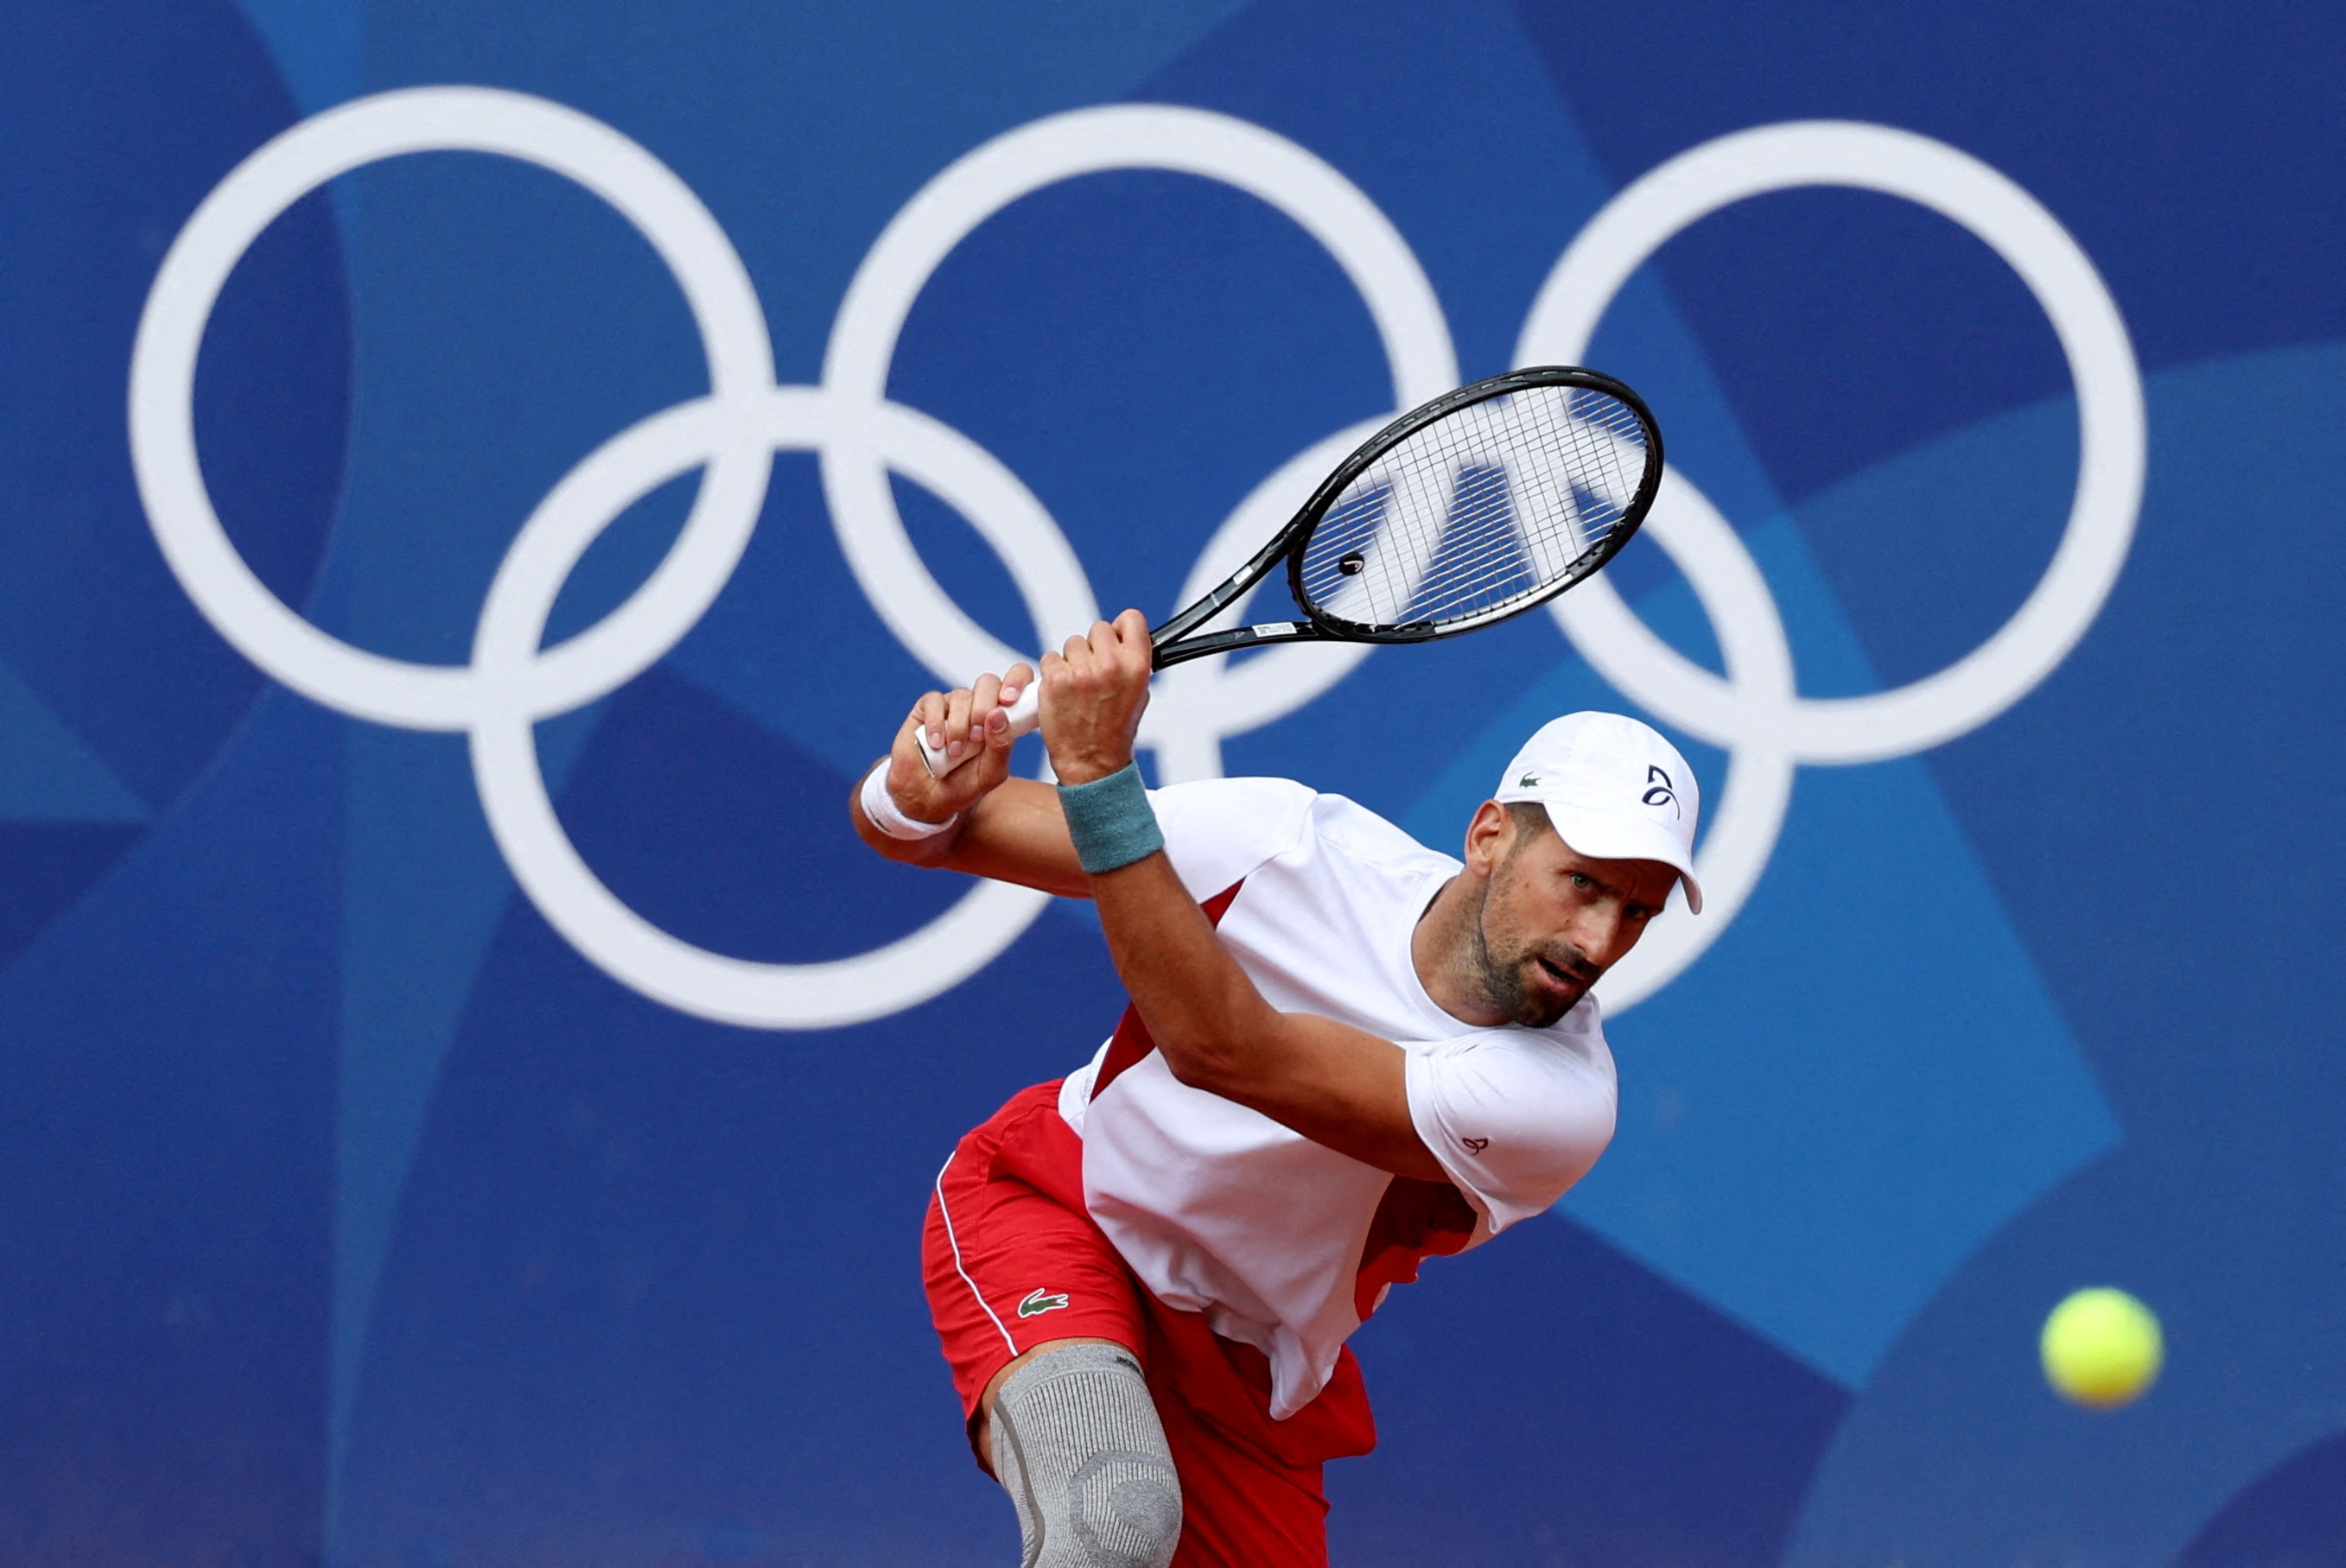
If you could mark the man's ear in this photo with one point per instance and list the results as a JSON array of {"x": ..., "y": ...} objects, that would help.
[{"x": 1488, "y": 837}]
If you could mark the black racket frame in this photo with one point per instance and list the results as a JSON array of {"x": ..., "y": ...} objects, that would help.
[{"x": 1291, "y": 540}]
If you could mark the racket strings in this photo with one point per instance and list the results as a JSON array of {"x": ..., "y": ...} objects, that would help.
[
  {"x": 1501, "y": 500},
  {"x": 1480, "y": 546}
]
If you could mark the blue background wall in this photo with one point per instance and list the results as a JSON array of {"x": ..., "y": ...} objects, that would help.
[{"x": 352, "y": 1214}]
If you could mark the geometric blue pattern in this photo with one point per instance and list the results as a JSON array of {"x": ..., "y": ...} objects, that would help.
[{"x": 46, "y": 773}]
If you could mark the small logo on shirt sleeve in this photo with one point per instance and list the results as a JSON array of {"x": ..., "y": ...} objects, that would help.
[
  {"x": 1038, "y": 1302},
  {"x": 1475, "y": 1146}
]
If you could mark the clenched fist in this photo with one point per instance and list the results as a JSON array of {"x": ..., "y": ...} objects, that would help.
[
  {"x": 1093, "y": 692},
  {"x": 970, "y": 722}
]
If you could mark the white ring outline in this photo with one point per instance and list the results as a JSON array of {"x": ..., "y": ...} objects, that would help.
[
  {"x": 1291, "y": 180},
  {"x": 822, "y": 995},
  {"x": 1756, "y": 711},
  {"x": 179, "y": 307},
  {"x": 2111, "y": 429},
  {"x": 1748, "y": 812},
  {"x": 1211, "y": 699}
]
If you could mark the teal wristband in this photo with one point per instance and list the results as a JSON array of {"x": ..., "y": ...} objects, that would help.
[{"x": 1111, "y": 820}]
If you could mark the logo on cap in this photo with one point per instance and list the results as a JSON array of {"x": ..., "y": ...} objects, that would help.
[
  {"x": 1662, "y": 794},
  {"x": 1528, "y": 781}
]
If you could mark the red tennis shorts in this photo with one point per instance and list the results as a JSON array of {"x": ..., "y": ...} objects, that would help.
[{"x": 1012, "y": 1260}]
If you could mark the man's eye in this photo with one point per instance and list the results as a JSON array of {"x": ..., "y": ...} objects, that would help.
[{"x": 1580, "y": 882}]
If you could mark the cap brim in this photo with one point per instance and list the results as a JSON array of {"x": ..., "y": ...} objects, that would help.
[{"x": 1608, "y": 836}]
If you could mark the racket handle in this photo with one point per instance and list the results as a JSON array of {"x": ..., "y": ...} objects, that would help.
[{"x": 1024, "y": 715}]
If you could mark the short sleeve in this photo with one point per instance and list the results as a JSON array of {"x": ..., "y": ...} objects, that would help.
[
  {"x": 1218, "y": 831},
  {"x": 1514, "y": 1118}
]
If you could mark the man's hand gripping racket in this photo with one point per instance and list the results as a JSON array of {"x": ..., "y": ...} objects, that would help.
[{"x": 1484, "y": 503}]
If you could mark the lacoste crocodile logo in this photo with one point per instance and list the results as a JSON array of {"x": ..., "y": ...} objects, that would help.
[{"x": 1041, "y": 1301}]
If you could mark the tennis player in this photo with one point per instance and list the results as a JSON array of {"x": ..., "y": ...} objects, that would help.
[{"x": 1345, "y": 1052}]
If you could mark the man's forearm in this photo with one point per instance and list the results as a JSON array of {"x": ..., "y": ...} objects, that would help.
[
  {"x": 1014, "y": 833},
  {"x": 1017, "y": 834},
  {"x": 1331, "y": 1083}
]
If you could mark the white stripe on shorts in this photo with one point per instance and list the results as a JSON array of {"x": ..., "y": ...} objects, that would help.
[{"x": 955, "y": 1242}]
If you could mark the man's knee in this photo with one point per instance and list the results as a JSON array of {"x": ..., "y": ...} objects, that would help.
[{"x": 1077, "y": 1444}]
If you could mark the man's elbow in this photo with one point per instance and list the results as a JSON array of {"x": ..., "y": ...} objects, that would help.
[{"x": 1215, "y": 1062}]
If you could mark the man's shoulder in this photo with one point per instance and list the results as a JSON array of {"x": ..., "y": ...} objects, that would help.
[
  {"x": 1273, "y": 816},
  {"x": 1256, "y": 817},
  {"x": 1221, "y": 830},
  {"x": 1347, "y": 825},
  {"x": 1237, "y": 801}
]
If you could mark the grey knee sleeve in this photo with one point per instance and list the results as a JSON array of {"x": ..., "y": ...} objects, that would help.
[{"x": 1077, "y": 1445}]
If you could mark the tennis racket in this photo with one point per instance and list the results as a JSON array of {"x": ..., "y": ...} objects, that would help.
[{"x": 1479, "y": 506}]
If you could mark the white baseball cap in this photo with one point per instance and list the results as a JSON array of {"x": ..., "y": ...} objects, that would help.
[{"x": 1615, "y": 789}]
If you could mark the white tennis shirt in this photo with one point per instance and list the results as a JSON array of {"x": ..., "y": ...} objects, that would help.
[{"x": 1220, "y": 1209}]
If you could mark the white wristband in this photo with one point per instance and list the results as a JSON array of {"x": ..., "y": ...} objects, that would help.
[{"x": 889, "y": 817}]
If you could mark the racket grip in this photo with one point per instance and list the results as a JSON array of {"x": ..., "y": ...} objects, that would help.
[{"x": 1024, "y": 715}]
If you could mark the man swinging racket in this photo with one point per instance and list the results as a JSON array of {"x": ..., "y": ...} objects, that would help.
[{"x": 1345, "y": 1052}]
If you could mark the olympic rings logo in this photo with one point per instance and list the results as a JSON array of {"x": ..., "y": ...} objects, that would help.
[{"x": 1755, "y": 712}]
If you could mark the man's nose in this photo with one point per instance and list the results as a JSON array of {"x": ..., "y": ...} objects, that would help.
[{"x": 1602, "y": 935}]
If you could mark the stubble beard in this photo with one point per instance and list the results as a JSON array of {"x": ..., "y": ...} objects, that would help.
[{"x": 1504, "y": 967}]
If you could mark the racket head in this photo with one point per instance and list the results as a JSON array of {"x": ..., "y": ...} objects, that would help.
[{"x": 1476, "y": 506}]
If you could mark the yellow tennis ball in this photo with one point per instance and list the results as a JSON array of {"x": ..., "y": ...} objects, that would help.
[{"x": 2102, "y": 1349}]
